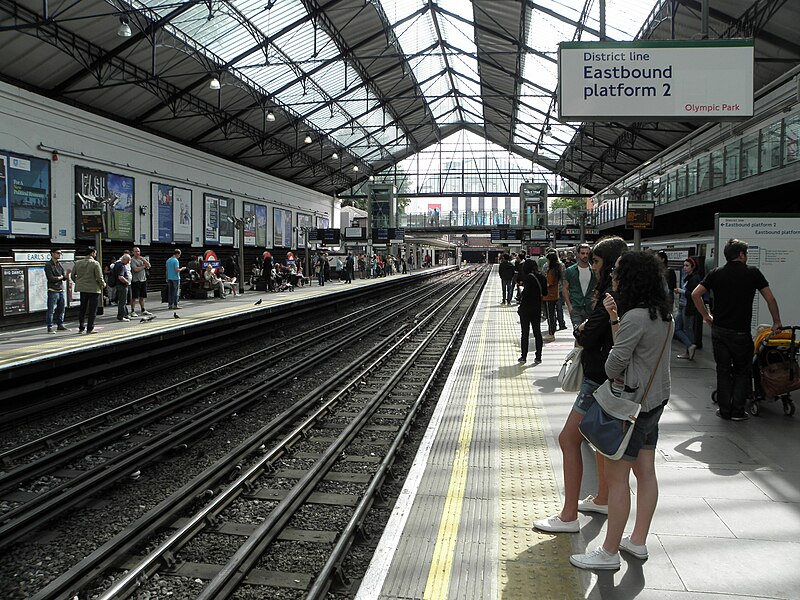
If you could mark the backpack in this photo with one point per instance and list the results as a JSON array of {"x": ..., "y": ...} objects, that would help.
[{"x": 113, "y": 276}]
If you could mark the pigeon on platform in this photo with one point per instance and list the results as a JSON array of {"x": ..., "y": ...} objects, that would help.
[
  {"x": 175, "y": 315},
  {"x": 257, "y": 302},
  {"x": 148, "y": 319}
]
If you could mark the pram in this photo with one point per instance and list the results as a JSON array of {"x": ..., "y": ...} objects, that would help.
[{"x": 775, "y": 369}]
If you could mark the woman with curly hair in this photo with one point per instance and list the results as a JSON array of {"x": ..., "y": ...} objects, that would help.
[
  {"x": 641, "y": 329},
  {"x": 594, "y": 336}
]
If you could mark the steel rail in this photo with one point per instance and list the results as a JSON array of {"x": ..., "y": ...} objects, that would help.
[
  {"x": 46, "y": 506},
  {"x": 46, "y": 464},
  {"x": 72, "y": 581},
  {"x": 333, "y": 566},
  {"x": 153, "y": 562},
  {"x": 244, "y": 559}
]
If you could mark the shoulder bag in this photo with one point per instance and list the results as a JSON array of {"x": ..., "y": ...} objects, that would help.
[
  {"x": 608, "y": 424},
  {"x": 571, "y": 374}
]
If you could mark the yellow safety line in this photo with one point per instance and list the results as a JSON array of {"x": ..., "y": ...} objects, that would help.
[{"x": 443, "y": 552}]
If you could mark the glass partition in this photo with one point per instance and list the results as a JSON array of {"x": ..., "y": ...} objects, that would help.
[
  {"x": 704, "y": 173},
  {"x": 732, "y": 161},
  {"x": 792, "y": 135},
  {"x": 750, "y": 155},
  {"x": 771, "y": 147}
]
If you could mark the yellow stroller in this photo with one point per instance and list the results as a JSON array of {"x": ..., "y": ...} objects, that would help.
[{"x": 775, "y": 369}]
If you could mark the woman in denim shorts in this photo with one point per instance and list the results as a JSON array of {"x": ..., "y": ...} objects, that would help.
[
  {"x": 638, "y": 358},
  {"x": 594, "y": 336}
]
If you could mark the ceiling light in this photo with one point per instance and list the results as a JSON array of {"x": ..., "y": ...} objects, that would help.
[
  {"x": 307, "y": 139},
  {"x": 372, "y": 177},
  {"x": 355, "y": 168},
  {"x": 270, "y": 116},
  {"x": 334, "y": 156},
  {"x": 214, "y": 83},
  {"x": 548, "y": 131},
  {"x": 124, "y": 30}
]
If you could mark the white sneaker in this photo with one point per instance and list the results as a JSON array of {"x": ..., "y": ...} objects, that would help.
[
  {"x": 588, "y": 505},
  {"x": 640, "y": 552},
  {"x": 597, "y": 559},
  {"x": 133, "y": 315},
  {"x": 147, "y": 313},
  {"x": 554, "y": 524}
]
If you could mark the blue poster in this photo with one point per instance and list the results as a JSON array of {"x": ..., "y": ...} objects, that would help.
[
  {"x": 261, "y": 225},
  {"x": 162, "y": 212},
  {"x": 29, "y": 195},
  {"x": 120, "y": 208},
  {"x": 287, "y": 228}
]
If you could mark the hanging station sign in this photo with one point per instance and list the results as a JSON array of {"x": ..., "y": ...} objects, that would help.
[{"x": 667, "y": 80}]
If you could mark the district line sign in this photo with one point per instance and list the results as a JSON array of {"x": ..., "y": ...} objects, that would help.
[{"x": 670, "y": 80}]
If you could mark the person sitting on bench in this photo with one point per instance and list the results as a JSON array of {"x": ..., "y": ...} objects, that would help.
[
  {"x": 228, "y": 283},
  {"x": 214, "y": 282}
]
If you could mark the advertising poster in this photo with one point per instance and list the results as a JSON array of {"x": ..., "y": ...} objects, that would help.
[
  {"x": 181, "y": 215},
  {"x": 226, "y": 226},
  {"x": 249, "y": 212},
  {"x": 322, "y": 222},
  {"x": 211, "y": 226},
  {"x": 261, "y": 225},
  {"x": 120, "y": 208},
  {"x": 287, "y": 228},
  {"x": 14, "y": 299},
  {"x": 277, "y": 228},
  {"x": 37, "y": 289},
  {"x": 5, "y": 220},
  {"x": 303, "y": 220},
  {"x": 109, "y": 192},
  {"x": 28, "y": 181},
  {"x": 161, "y": 212}
]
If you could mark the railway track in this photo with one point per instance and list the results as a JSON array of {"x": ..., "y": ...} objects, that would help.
[{"x": 316, "y": 407}]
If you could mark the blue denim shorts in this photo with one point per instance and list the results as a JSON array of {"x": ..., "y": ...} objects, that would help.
[
  {"x": 645, "y": 433},
  {"x": 585, "y": 398}
]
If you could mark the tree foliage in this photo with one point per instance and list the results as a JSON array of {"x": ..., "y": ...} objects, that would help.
[{"x": 569, "y": 203}]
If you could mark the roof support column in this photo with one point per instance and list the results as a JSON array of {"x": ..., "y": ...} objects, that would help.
[
  {"x": 704, "y": 19},
  {"x": 602, "y": 20}
]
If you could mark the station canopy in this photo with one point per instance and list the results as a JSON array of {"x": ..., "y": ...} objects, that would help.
[{"x": 325, "y": 93}]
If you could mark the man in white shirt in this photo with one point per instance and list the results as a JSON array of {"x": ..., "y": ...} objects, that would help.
[{"x": 578, "y": 287}]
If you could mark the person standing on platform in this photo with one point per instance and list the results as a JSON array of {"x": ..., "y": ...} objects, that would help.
[
  {"x": 89, "y": 281},
  {"x": 595, "y": 337},
  {"x": 578, "y": 287},
  {"x": 507, "y": 272},
  {"x": 551, "y": 295},
  {"x": 349, "y": 268},
  {"x": 56, "y": 302},
  {"x": 174, "y": 270},
  {"x": 139, "y": 266},
  {"x": 669, "y": 275},
  {"x": 122, "y": 278},
  {"x": 684, "y": 321},
  {"x": 530, "y": 308},
  {"x": 734, "y": 286},
  {"x": 642, "y": 329}
]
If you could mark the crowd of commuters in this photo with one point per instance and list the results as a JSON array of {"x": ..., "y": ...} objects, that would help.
[
  {"x": 621, "y": 304},
  {"x": 123, "y": 281}
]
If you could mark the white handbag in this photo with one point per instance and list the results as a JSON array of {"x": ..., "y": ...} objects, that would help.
[{"x": 571, "y": 374}]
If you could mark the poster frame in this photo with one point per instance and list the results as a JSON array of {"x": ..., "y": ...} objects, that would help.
[{"x": 11, "y": 229}]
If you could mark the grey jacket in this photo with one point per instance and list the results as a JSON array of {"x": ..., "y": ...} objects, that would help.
[{"x": 637, "y": 347}]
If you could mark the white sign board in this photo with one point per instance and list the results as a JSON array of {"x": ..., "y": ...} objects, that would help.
[
  {"x": 677, "y": 80},
  {"x": 774, "y": 247}
]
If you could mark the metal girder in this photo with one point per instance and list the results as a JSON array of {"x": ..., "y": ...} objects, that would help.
[
  {"x": 347, "y": 50},
  {"x": 145, "y": 34},
  {"x": 448, "y": 68},
  {"x": 568, "y": 21},
  {"x": 77, "y": 47}
]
